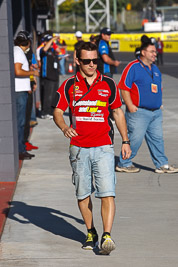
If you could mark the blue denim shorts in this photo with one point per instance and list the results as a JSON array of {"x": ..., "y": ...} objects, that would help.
[{"x": 93, "y": 170}]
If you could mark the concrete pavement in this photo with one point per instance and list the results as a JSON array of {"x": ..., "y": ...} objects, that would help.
[{"x": 44, "y": 226}]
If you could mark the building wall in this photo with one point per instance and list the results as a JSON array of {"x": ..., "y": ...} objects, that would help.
[
  {"x": 15, "y": 15},
  {"x": 8, "y": 126}
]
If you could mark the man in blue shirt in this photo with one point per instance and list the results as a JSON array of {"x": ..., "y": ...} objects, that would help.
[
  {"x": 141, "y": 90},
  {"x": 107, "y": 64}
]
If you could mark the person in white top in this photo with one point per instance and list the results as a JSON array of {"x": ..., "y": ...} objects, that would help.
[{"x": 22, "y": 86}]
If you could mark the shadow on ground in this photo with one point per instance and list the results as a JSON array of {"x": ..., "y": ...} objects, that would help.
[{"x": 46, "y": 218}]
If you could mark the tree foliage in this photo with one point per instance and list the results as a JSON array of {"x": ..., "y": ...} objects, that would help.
[{"x": 78, "y": 6}]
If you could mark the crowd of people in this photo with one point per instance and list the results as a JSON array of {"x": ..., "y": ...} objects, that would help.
[
  {"x": 47, "y": 62},
  {"x": 92, "y": 97}
]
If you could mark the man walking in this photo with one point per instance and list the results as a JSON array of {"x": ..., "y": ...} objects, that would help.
[
  {"x": 88, "y": 95},
  {"x": 141, "y": 90}
]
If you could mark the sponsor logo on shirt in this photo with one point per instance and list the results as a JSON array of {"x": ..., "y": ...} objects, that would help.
[
  {"x": 97, "y": 103},
  {"x": 103, "y": 92},
  {"x": 90, "y": 119},
  {"x": 156, "y": 74},
  {"x": 88, "y": 109}
]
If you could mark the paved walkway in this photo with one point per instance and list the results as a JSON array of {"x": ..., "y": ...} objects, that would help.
[{"x": 44, "y": 227}]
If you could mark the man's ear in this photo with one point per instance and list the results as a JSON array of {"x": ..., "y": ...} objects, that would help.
[{"x": 77, "y": 61}]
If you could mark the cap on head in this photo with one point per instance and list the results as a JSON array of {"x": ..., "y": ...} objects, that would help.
[
  {"x": 106, "y": 31},
  {"x": 78, "y": 34},
  {"x": 24, "y": 35},
  {"x": 47, "y": 37}
]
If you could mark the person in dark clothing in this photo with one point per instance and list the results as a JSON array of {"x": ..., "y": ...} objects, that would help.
[{"x": 49, "y": 74}]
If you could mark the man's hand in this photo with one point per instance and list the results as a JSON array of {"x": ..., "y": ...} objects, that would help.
[
  {"x": 36, "y": 73},
  {"x": 59, "y": 120},
  {"x": 126, "y": 151},
  {"x": 69, "y": 132},
  {"x": 117, "y": 63},
  {"x": 132, "y": 108}
]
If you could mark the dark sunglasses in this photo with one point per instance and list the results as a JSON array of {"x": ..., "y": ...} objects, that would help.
[{"x": 87, "y": 61}]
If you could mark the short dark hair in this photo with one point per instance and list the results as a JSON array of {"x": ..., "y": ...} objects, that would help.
[
  {"x": 19, "y": 41},
  {"x": 144, "y": 46},
  {"x": 23, "y": 38},
  {"x": 146, "y": 41},
  {"x": 88, "y": 46}
]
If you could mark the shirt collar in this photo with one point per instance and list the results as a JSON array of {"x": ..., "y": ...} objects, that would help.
[
  {"x": 80, "y": 78},
  {"x": 145, "y": 66}
]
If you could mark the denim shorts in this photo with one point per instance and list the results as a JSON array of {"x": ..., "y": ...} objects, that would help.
[{"x": 93, "y": 170}]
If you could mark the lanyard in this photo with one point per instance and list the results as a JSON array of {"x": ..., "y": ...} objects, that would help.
[
  {"x": 75, "y": 102},
  {"x": 151, "y": 75}
]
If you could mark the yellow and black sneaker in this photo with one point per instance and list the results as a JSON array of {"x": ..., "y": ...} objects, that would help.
[
  {"x": 107, "y": 244},
  {"x": 91, "y": 241}
]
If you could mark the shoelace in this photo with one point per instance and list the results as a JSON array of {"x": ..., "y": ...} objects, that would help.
[
  {"x": 106, "y": 236},
  {"x": 89, "y": 237}
]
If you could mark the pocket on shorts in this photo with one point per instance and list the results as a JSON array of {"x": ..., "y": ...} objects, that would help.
[
  {"x": 74, "y": 156},
  {"x": 108, "y": 149}
]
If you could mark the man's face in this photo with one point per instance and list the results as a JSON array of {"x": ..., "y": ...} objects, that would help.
[
  {"x": 149, "y": 53},
  {"x": 27, "y": 47},
  {"x": 90, "y": 68},
  {"x": 106, "y": 37}
]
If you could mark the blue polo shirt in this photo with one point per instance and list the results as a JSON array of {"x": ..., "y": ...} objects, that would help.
[
  {"x": 143, "y": 84},
  {"x": 104, "y": 49}
]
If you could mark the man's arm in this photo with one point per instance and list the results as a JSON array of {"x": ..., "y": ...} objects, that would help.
[
  {"x": 19, "y": 72},
  {"x": 60, "y": 122},
  {"x": 110, "y": 61},
  {"x": 49, "y": 43},
  {"x": 128, "y": 101},
  {"x": 74, "y": 57},
  {"x": 120, "y": 121}
]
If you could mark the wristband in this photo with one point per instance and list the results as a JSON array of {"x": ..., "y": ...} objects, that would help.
[{"x": 126, "y": 142}]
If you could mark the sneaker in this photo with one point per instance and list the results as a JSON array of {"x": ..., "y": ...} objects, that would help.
[
  {"x": 91, "y": 241},
  {"x": 107, "y": 245},
  {"x": 29, "y": 154},
  {"x": 43, "y": 116},
  {"x": 48, "y": 116},
  {"x": 29, "y": 146},
  {"x": 24, "y": 155},
  {"x": 169, "y": 169},
  {"x": 129, "y": 169},
  {"x": 33, "y": 123}
]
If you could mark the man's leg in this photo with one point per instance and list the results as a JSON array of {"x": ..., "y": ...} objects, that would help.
[
  {"x": 82, "y": 179},
  {"x": 28, "y": 116},
  {"x": 107, "y": 213},
  {"x": 154, "y": 140},
  {"x": 21, "y": 100},
  {"x": 105, "y": 180},
  {"x": 137, "y": 124},
  {"x": 85, "y": 207}
]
